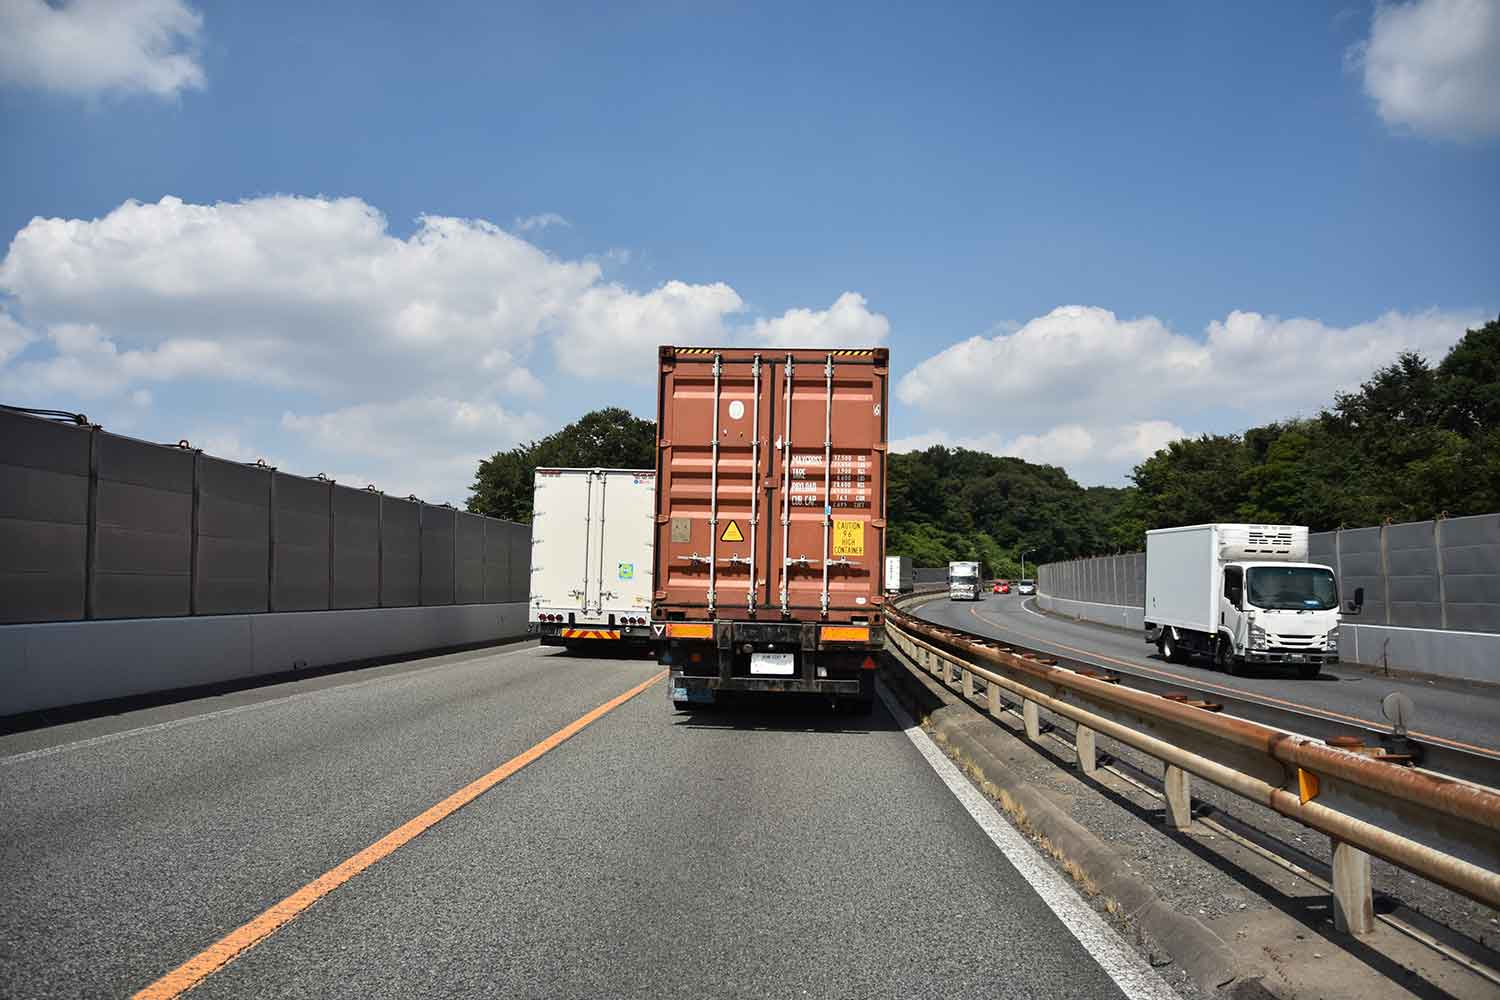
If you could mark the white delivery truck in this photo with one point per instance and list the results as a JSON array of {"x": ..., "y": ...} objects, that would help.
[
  {"x": 1241, "y": 593},
  {"x": 592, "y": 531},
  {"x": 898, "y": 575},
  {"x": 963, "y": 581}
]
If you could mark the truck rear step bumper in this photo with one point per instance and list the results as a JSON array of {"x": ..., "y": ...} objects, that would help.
[{"x": 688, "y": 683}]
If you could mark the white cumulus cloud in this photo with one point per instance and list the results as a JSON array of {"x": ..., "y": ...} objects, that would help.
[
  {"x": 542, "y": 221},
  {"x": 461, "y": 328},
  {"x": 86, "y": 47},
  {"x": 1096, "y": 393},
  {"x": 1434, "y": 66}
]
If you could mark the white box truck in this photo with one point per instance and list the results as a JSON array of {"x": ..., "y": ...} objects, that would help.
[
  {"x": 898, "y": 575},
  {"x": 1241, "y": 594},
  {"x": 963, "y": 581},
  {"x": 592, "y": 532}
]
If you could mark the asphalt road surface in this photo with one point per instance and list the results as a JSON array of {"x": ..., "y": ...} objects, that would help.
[
  {"x": 1466, "y": 715},
  {"x": 722, "y": 853}
]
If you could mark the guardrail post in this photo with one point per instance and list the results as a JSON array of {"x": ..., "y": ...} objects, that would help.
[
  {"x": 992, "y": 698},
  {"x": 1083, "y": 743},
  {"x": 1353, "y": 901},
  {"x": 1031, "y": 719},
  {"x": 1179, "y": 798},
  {"x": 968, "y": 683}
]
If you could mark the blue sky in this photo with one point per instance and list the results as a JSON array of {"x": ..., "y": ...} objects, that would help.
[{"x": 1082, "y": 229}]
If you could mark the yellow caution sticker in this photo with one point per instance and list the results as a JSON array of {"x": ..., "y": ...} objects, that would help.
[
  {"x": 1307, "y": 785},
  {"x": 848, "y": 538},
  {"x": 732, "y": 533}
]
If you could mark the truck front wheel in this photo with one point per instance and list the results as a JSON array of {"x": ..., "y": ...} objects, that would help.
[
  {"x": 1308, "y": 671},
  {"x": 1225, "y": 659},
  {"x": 1167, "y": 647}
]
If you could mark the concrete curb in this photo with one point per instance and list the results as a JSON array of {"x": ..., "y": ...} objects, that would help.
[{"x": 959, "y": 726}]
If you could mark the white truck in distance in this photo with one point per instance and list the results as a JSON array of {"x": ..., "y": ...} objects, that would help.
[
  {"x": 898, "y": 575},
  {"x": 1241, "y": 594},
  {"x": 592, "y": 533},
  {"x": 963, "y": 581}
]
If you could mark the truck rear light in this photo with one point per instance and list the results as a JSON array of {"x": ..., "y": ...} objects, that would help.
[
  {"x": 844, "y": 633},
  {"x": 690, "y": 630}
]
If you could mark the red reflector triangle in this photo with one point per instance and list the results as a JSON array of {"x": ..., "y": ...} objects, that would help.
[{"x": 869, "y": 663}]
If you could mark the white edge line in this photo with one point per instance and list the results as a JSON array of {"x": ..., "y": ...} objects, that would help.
[
  {"x": 236, "y": 710},
  {"x": 1119, "y": 961}
]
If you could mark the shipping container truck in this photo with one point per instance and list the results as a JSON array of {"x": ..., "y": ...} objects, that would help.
[
  {"x": 770, "y": 521},
  {"x": 963, "y": 581},
  {"x": 591, "y": 538},
  {"x": 898, "y": 575},
  {"x": 1241, "y": 593}
]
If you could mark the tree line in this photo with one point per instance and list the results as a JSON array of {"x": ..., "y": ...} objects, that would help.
[{"x": 1415, "y": 441}]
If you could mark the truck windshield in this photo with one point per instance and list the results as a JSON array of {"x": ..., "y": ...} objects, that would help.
[
  {"x": 1292, "y": 588},
  {"x": 964, "y": 578}
]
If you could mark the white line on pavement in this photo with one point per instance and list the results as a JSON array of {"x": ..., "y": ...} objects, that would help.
[
  {"x": 236, "y": 710},
  {"x": 1135, "y": 978}
]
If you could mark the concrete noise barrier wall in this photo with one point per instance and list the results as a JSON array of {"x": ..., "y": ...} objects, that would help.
[{"x": 96, "y": 527}]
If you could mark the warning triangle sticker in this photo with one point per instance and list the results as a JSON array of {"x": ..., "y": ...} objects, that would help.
[{"x": 732, "y": 533}]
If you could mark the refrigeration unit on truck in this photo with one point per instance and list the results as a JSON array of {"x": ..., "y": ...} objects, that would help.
[
  {"x": 591, "y": 538},
  {"x": 898, "y": 575},
  {"x": 1241, "y": 594},
  {"x": 963, "y": 581},
  {"x": 770, "y": 521}
]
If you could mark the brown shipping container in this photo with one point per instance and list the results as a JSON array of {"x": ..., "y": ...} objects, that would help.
[{"x": 770, "y": 515}]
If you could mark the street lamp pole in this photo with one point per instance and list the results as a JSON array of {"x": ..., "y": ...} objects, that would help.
[{"x": 1024, "y": 554}]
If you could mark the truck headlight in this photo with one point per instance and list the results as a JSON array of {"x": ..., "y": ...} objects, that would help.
[
  {"x": 1257, "y": 637},
  {"x": 1332, "y": 638}
]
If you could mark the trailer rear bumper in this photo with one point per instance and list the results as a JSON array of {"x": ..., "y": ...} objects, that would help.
[{"x": 689, "y": 687}]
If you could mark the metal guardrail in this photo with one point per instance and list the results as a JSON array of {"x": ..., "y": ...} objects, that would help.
[{"x": 1439, "y": 828}]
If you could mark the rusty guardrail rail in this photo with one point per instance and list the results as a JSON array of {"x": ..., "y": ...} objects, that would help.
[{"x": 1440, "y": 828}]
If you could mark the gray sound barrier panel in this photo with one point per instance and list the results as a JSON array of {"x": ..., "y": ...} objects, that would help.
[
  {"x": 44, "y": 504},
  {"x": 496, "y": 560},
  {"x": 400, "y": 553},
  {"x": 469, "y": 572},
  {"x": 1411, "y": 569},
  {"x": 1322, "y": 548},
  {"x": 1360, "y": 556},
  {"x": 520, "y": 562},
  {"x": 437, "y": 555},
  {"x": 143, "y": 562},
  {"x": 1471, "y": 572},
  {"x": 356, "y": 548},
  {"x": 303, "y": 530},
  {"x": 234, "y": 538}
]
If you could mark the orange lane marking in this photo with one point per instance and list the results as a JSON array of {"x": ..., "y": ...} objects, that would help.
[
  {"x": 237, "y": 942},
  {"x": 1239, "y": 692}
]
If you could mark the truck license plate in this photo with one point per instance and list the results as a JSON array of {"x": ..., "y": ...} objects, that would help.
[
  {"x": 1295, "y": 658},
  {"x": 776, "y": 664}
]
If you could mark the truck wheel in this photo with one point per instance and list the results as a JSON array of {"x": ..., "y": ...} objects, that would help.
[
  {"x": 1308, "y": 671},
  {"x": 1167, "y": 647},
  {"x": 1225, "y": 660},
  {"x": 857, "y": 706}
]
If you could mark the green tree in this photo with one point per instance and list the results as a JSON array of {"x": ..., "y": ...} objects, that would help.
[{"x": 610, "y": 438}]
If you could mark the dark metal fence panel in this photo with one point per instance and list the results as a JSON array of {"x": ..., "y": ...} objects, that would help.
[
  {"x": 468, "y": 547},
  {"x": 400, "y": 553},
  {"x": 519, "y": 588},
  {"x": 234, "y": 538},
  {"x": 356, "y": 548},
  {"x": 144, "y": 524},
  {"x": 437, "y": 554},
  {"x": 1471, "y": 572},
  {"x": 1364, "y": 566},
  {"x": 927, "y": 576},
  {"x": 497, "y": 554},
  {"x": 44, "y": 506},
  {"x": 302, "y": 579},
  {"x": 1412, "y": 575}
]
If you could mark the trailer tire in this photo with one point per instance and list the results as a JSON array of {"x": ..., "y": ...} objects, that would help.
[{"x": 857, "y": 706}]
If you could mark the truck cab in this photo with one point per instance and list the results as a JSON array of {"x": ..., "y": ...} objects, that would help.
[
  {"x": 963, "y": 581},
  {"x": 1276, "y": 612}
]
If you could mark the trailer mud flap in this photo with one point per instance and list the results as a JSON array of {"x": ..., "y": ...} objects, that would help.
[{"x": 696, "y": 696}]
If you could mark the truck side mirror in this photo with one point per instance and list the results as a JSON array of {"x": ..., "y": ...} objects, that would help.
[{"x": 1356, "y": 605}]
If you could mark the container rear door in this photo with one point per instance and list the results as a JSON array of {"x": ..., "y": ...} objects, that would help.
[
  {"x": 624, "y": 539},
  {"x": 786, "y": 517},
  {"x": 560, "y": 530}
]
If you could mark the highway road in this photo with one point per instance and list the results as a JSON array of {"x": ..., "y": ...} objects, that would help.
[
  {"x": 1468, "y": 716},
  {"x": 280, "y": 842}
]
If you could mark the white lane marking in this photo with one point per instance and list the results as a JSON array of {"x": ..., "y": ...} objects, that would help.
[
  {"x": 1031, "y": 612},
  {"x": 1120, "y": 962},
  {"x": 95, "y": 741}
]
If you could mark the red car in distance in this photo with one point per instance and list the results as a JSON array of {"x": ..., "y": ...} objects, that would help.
[{"x": 1002, "y": 586}]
